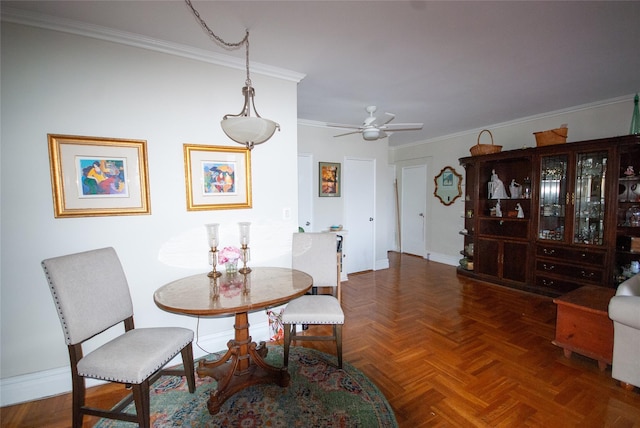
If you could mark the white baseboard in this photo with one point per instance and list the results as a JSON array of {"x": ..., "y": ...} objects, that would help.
[
  {"x": 444, "y": 258},
  {"x": 47, "y": 383},
  {"x": 382, "y": 264}
]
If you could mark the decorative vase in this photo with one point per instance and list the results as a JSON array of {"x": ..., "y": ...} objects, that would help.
[{"x": 231, "y": 267}]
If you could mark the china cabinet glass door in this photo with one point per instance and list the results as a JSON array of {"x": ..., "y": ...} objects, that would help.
[
  {"x": 589, "y": 203},
  {"x": 553, "y": 197}
]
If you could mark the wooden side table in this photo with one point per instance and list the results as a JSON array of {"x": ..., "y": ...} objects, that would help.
[{"x": 583, "y": 324}]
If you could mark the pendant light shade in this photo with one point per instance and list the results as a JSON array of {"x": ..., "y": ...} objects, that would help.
[
  {"x": 245, "y": 129},
  {"x": 249, "y": 130}
]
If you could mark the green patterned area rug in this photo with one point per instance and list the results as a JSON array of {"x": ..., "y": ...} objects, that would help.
[{"x": 319, "y": 395}]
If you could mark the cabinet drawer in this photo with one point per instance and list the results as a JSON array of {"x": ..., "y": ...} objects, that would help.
[
  {"x": 578, "y": 273},
  {"x": 558, "y": 285},
  {"x": 504, "y": 227},
  {"x": 573, "y": 255}
]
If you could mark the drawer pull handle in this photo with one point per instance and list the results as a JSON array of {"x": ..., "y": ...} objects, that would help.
[
  {"x": 545, "y": 267},
  {"x": 547, "y": 283},
  {"x": 548, "y": 251},
  {"x": 583, "y": 255},
  {"x": 587, "y": 275}
]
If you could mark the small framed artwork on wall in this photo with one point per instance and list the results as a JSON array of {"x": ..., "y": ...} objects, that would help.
[
  {"x": 217, "y": 177},
  {"x": 329, "y": 179}
]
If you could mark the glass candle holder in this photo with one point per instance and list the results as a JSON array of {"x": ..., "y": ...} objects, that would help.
[
  {"x": 212, "y": 234},
  {"x": 212, "y": 239},
  {"x": 244, "y": 232},
  {"x": 244, "y": 243}
]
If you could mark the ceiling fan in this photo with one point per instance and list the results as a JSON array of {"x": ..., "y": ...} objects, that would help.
[{"x": 372, "y": 130}]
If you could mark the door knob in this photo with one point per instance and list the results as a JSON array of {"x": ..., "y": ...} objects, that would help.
[
  {"x": 307, "y": 223},
  {"x": 370, "y": 218},
  {"x": 421, "y": 215}
]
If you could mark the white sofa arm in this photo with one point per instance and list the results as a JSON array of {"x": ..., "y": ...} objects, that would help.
[
  {"x": 630, "y": 287},
  {"x": 625, "y": 310}
]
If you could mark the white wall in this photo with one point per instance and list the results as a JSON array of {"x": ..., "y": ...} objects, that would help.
[
  {"x": 606, "y": 119},
  {"x": 60, "y": 83},
  {"x": 320, "y": 142}
]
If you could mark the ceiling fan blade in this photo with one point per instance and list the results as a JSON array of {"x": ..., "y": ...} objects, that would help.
[
  {"x": 339, "y": 125},
  {"x": 404, "y": 129},
  {"x": 405, "y": 125},
  {"x": 391, "y": 117},
  {"x": 347, "y": 133}
]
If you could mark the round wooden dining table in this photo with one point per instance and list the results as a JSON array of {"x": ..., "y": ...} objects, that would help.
[{"x": 236, "y": 294}]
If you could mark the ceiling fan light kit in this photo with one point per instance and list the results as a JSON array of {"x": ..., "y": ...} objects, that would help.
[
  {"x": 371, "y": 134},
  {"x": 371, "y": 130}
]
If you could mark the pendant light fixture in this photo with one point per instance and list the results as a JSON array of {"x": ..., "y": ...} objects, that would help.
[{"x": 242, "y": 127}]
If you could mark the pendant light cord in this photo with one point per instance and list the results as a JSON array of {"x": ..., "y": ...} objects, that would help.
[{"x": 244, "y": 41}]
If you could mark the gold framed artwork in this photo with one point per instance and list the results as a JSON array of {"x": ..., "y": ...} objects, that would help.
[
  {"x": 96, "y": 176},
  {"x": 329, "y": 179},
  {"x": 217, "y": 177}
]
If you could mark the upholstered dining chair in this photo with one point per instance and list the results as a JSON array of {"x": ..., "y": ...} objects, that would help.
[
  {"x": 91, "y": 294},
  {"x": 316, "y": 254}
]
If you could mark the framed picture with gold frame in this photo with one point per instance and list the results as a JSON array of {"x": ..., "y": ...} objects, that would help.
[
  {"x": 96, "y": 176},
  {"x": 217, "y": 177},
  {"x": 329, "y": 179},
  {"x": 448, "y": 185}
]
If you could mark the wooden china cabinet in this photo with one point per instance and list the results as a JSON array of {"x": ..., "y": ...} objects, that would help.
[
  {"x": 565, "y": 224},
  {"x": 501, "y": 244}
]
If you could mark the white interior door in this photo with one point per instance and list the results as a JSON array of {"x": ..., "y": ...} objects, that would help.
[
  {"x": 305, "y": 191},
  {"x": 414, "y": 207},
  {"x": 359, "y": 184}
]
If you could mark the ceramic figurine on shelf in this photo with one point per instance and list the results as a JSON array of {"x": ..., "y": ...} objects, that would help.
[
  {"x": 629, "y": 172},
  {"x": 498, "y": 209},
  {"x": 519, "y": 210},
  {"x": 496, "y": 187},
  {"x": 515, "y": 189}
]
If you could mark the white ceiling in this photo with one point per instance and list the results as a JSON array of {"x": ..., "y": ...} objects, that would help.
[{"x": 453, "y": 65}]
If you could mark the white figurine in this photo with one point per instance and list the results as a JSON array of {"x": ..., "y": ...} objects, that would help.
[
  {"x": 496, "y": 187},
  {"x": 498, "y": 209},
  {"x": 520, "y": 211},
  {"x": 515, "y": 189}
]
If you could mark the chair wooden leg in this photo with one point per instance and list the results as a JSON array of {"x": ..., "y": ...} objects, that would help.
[
  {"x": 287, "y": 343},
  {"x": 337, "y": 331},
  {"x": 78, "y": 395},
  {"x": 189, "y": 368},
  {"x": 141, "y": 398}
]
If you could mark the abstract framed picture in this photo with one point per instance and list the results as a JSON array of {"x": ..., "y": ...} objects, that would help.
[
  {"x": 95, "y": 176},
  {"x": 329, "y": 179},
  {"x": 217, "y": 177}
]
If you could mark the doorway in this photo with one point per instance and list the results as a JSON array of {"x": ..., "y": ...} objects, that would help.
[
  {"x": 414, "y": 207},
  {"x": 359, "y": 180}
]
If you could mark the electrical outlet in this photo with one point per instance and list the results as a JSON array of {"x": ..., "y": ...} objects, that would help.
[{"x": 286, "y": 213}]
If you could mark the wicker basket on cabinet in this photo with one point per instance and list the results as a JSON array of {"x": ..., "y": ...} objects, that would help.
[{"x": 485, "y": 149}]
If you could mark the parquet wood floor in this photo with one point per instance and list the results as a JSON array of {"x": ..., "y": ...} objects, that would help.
[{"x": 446, "y": 351}]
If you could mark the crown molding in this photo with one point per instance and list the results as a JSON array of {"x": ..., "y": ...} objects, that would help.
[
  {"x": 574, "y": 109},
  {"x": 32, "y": 19}
]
